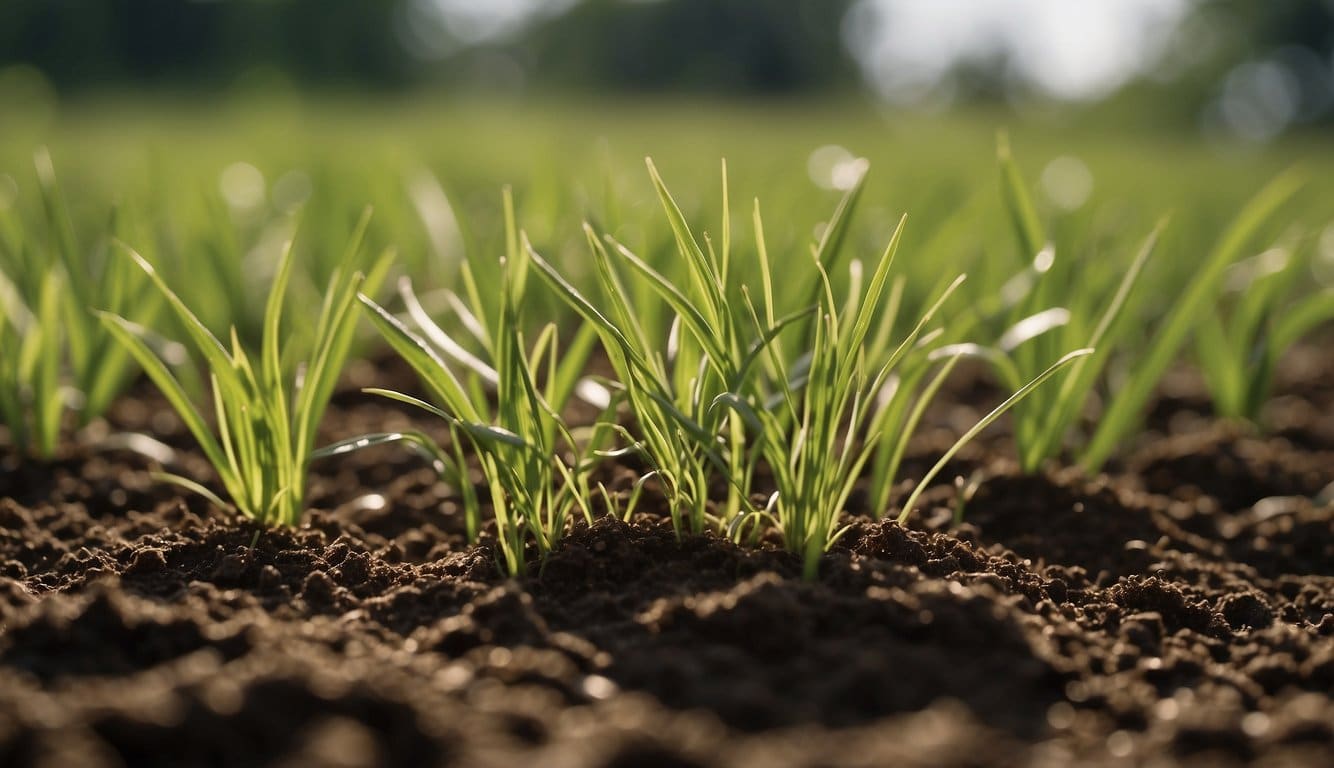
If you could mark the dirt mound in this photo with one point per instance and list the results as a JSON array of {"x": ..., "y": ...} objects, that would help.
[{"x": 1179, "y": 610}]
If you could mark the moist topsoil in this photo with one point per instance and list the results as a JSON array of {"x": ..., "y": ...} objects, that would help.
[{"x": 1175, "y": 610}]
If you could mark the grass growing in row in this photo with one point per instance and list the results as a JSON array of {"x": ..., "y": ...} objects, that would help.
[{"x": 759, "y": 389}]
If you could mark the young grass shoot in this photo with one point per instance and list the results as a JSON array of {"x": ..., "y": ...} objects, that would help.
[{"x": 265, "y": 422}]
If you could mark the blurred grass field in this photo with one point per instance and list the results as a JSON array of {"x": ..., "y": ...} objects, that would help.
[
  {"x": 569, "y": 149},
  {"x": 165, "y": 162},
  {"x": 175, "y": 167}
]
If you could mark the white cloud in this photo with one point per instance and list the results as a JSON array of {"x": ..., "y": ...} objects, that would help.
[
  {"x": 1070, "y": 49},
  {"x": 475, "y": 21}
]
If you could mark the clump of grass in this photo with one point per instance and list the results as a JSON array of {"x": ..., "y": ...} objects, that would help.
[
  {"x": 535, "y": 470},
  {"x": 31, "y": 397},
  {"x": 676, "y": 388},
  {"x": 55, "y": 357},
  {"x": 265, "y": 425},
  {"x": 811, "y": 440},
  {"x": 1044, "y": 422},
  {"x": 1263, "y": 312},
  {"x": 733, "y": 398},
  {"x": 1189, "y": 312},
  {"x": 1236, "y": 360},
  {"x": 814, "y": 453}
]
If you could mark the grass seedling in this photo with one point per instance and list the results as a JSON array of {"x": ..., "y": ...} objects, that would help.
[
  {"x": 1189, "y": 312},
  {"x": 265, "y": 427},
  {"x": 94, "y": 279},
  {"x": 690, "y": 394},
  {"x": 57, "y": 358},
  {"x": 1239, "y": 345},
  {"x": 985, "y": 421},
  {"x": 31, "y": 397},
  {"x": 535, "y": 471},
  {"x": 810, "y": 442},
  {"x": 672, "y": 442},
  {"x": 1043, "y": 423},
  {"x": 736, "y": 398}
]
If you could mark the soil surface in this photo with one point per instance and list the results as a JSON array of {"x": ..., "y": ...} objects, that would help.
[{"x": 1177, "y": 610}]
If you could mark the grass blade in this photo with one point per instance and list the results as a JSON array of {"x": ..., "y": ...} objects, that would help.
[{"x": 982, "y": 424}]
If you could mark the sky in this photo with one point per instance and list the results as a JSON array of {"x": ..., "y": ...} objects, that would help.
[{"x": 1067, "y": 49}]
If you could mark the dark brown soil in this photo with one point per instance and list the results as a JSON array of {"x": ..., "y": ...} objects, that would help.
[{"x": 1178, "y": 611}]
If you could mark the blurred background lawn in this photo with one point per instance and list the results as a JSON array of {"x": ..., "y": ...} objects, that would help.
[
  {"x": 1120, "y": 111},
  {"x": 502, "y": 88}
]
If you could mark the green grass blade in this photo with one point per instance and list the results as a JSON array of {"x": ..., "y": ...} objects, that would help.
[
  {"x": 419, "y": 442},
  {"x": 982, "y": 424},
  {"x": 888, "y": 470},
  {"x": 47, "y": 393},
  {"x": 339, "y": 327},
  {"x": 702, "y": 271},
  {"x": 570, "y": 370},
  {"x": 437, "y": 336},
  {"x": 1023, "y": 215},
  {"x": 429, "y": 367},
  {"x": 271, "y": 371},
  {"x": 871, "y": 300},
  {"x": 215, "y": 354},
  {"x": 191, "y": 486},
  {"x": 610, "y": 332},
  {"x": 126, "y": 333},
  {"x": 705, "y": 329},
  {"x": 1303, "y": 318}
]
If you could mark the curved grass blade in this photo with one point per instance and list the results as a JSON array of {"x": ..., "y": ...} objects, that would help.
[
  {"x": 982, "y": 424},
  {"x": 126, "y": 333}
]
